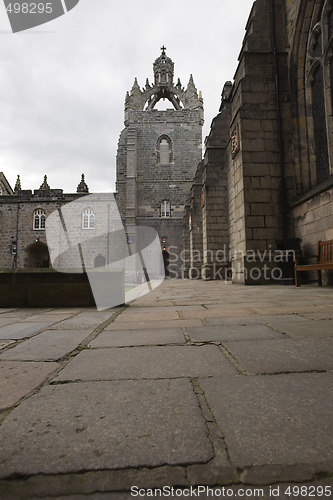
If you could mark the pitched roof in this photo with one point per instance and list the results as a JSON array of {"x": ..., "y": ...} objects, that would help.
[{"x": 5, "y": 186}]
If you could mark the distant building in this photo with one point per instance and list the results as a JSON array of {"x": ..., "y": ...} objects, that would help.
[
  {"x": 157, "y": 156},
  {"x": 22, "y": 222}
]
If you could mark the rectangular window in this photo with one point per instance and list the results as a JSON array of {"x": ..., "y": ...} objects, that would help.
[{"x": 165, "y": 209}]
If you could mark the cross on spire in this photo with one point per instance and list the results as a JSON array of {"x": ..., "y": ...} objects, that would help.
[{"x": 163, "y": 49}]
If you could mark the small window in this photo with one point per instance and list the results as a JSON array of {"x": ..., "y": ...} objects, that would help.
[
  {"x": 39, "y": 219},
  {"x": 165, "y": 209},
  {"x": 88, "y": 219}
]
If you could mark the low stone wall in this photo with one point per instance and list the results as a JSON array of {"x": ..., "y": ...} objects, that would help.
[{"x": 49, "y": 288}]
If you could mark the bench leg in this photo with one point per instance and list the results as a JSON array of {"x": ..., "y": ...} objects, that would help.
[
  {"x": 297, "y": 283},
  {"x": 319, "y": 278}
]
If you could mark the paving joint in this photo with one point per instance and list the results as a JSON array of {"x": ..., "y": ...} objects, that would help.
[{"x": 240, "y": 369}]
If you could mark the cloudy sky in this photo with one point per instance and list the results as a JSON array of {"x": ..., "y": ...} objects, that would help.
[{"x": 63, "y": 84}]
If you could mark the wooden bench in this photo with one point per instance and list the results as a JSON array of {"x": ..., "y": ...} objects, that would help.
[{"x": 324, "y": 261}]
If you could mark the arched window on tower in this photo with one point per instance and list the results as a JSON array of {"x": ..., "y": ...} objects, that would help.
[
  {"x": 164, "y": 151},
  {"x": 330, "y": 23},
  {"x": 319, "y": 93},
  {"x": 39, "y": 219},
  {"x": 88, "y": 219},
  {"x": 319, "y": 122}
]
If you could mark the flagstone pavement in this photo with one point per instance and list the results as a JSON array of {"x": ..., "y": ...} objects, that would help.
[{"x": 201, "y": 388}]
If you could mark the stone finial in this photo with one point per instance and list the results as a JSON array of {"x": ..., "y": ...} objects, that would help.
[
  {"x": 136, "y": 86},
  {"x": 135, "y": 99},
  {"x": 17, "y": 187},
  {"x": 191, "y": 86},
  {"x": 45, "y": 186},
  {"x": 82, "y": 187}
]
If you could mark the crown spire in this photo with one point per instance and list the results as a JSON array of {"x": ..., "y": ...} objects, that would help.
[{"x": 163, "y": 69}]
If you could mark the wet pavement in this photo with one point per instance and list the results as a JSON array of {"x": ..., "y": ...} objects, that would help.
[{"x": 197, "y": 384}]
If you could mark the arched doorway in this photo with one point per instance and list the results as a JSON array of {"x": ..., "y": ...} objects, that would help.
[
  {"x": 100, "y": 261},
  {"x": 37, "y": 255},
  {"x": 165, "y": 255}
]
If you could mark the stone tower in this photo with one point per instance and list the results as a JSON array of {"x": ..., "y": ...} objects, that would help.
[{"x": 158, "y": 153}]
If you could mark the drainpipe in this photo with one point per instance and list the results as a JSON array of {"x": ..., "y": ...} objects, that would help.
[
  {"x": 17, "y": 233},
  {"x": 279, "y": 123}
]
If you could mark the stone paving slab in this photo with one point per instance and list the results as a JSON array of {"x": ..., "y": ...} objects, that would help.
[
  {"x": 290, "y": 309},
  {"x": 22, "y": 330},
  {"x": 127, "y": 338},
  {"x": 6, "y": 321},
  {"x": 151, "y": 304},
  {"x": 49, "y": 345},
  {"x": 139, "y": 316},
  {"x": 19, "y": 378},
  {"x": 232, "y": 332},
  {"x": 286, "y": 355},
  {"x": 145, "y": 325},
  {"x": 55, "y": 317},
  {"x": 104, "y": 425},
  {"x": 135, "y": 308},
  {"x": 147, "y": 363},
  {"x": 68, "y": 310},
  {"x": 218, "y": 312},
  {"x": 234, "y": 306},
  {"x": 256, "y": 319},
  {"x": 307, "y": 328},
  {"x": 21, "y": 313},
  {"x": 90, "y": 319},
  {"x": 285, "y": 419}
]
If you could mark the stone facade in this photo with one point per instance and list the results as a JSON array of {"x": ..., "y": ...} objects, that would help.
[
  {"x": 158, "y": 152},
  {"x": 276, "y": 144},
  {"x": 22, "y": 222}
]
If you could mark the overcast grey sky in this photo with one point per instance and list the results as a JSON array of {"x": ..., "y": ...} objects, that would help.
[{"x": 63, "y": 84}]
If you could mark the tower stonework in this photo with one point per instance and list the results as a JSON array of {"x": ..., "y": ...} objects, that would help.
[{"x": 158, "y": 153}]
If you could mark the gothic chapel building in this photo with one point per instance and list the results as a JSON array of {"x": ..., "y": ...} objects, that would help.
[{"x": 266, "y": 182}]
